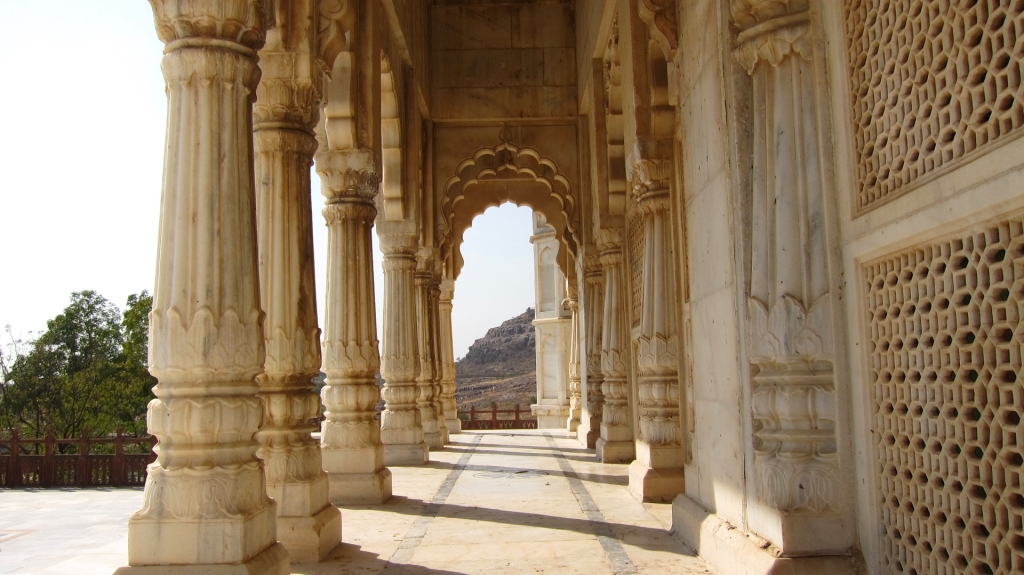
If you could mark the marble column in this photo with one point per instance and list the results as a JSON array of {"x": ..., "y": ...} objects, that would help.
[
  {"x": 427, "y": 397},
  {"x": 401, "y": 421},
  {"x": 435, "y": 340},
  {"x": 593, "y": 310},
  {"x": 451, "y": 410},
  {"x": 798, "y": 502},
  {"x": 205, "y": 505},
  {"x": 657, "y": 473},
  {"x": 353, "y": 455},
  {"x": 615, "y": 445},
  {"x": 283, "y": 121},
  {"x": 575, "y": 379}
]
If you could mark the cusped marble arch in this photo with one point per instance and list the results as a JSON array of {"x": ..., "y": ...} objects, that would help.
[{"x": 506, "y": 173}]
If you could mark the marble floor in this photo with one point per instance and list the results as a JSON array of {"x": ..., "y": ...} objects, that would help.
[{"x": 491, "y": 502}]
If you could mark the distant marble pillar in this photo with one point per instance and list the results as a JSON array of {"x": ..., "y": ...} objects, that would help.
[
  {"x": 593, "y": 310},
  {"x": 798, "y": 500},
  {"x": 657, "y": 473},
  {"x": 451, "y": 411},
  {"x": 427, "y": 399},
  {"x": 353, "y": 455},
  {"x": 284, "y": 117},
  {"x": 205, "y": 505},
  {"x": 575, "y": 379},
  {"x": 615, "y": 444},
  {"x": 401, "y": 421},
  {"x": 435, "y": 340}
]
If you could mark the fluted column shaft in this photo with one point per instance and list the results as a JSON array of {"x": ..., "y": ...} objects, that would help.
[
  {"x": 575, "y": 379},
  {"x": 451, "y": 410},
  {"x": 295, "y": 476},
  {"x": 401, "y": 421},
  {"x": 206, "y": 490},
  {"x": 427, "y": 400},
  {"x": 593, "y": 310},
  {"x": 616, "y": 442},
  {"x": 353, "y": 454},
  {"x": 435, "y": 348},
  {"x": 657, "y": 473}
]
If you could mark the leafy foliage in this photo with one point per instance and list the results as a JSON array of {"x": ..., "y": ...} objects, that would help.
[{"x": 87, "y": 371}]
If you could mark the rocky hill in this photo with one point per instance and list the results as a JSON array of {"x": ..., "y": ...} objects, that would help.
[{"x": 500, "y": 367}]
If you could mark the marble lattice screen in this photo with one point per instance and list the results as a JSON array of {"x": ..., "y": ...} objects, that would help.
[
  {"x": 945, "y": 332},
  {"x": 932, "y": 82}
]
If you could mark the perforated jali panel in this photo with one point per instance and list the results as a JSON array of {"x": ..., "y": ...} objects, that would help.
[
  {"x": 945, "y": 351},
  {"x": 931, "y": 82}
]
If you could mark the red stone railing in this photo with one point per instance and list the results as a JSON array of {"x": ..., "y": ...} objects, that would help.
[
  {"x": 499, "y": 418},
  {"x": 52, "y": 468}
]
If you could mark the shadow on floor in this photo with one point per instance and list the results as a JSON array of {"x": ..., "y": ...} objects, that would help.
[
  {"x": 644, "y": 537},
  {"x": 582, "y": 476},
  {"x": 347, "y": 558},
  {"x": 537, "y": 447},
  {"x": 592, "y": 458}
]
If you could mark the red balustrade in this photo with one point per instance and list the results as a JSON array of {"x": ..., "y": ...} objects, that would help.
[
  {"x": 23, "y": 466},
  {"x": 498, "y": 418}
]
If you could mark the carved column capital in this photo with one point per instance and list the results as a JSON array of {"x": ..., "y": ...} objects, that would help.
[
  {"x": 650, "y": 176},
  {"x": 609, "y": 240},
  {"x": 285, "y": 102},
  {"x": 399, "y": 245},
  {"x": 591, "y": 261},
  {"x": 770, "y": 30},
  {"x": 235, "y": 24},
  {"x": 347, "y": 175}
]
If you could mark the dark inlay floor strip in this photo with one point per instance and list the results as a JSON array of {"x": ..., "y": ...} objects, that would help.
[
  {"x": 617, "y": 556},
  {"x": 415, "y": 535}
]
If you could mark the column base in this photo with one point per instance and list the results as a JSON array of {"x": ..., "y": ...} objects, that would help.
[
  {"x": 406, "y": 454},
  {"x": 272, "y": 561},
  {"x": 588, "y": 434},
  {"x": 310, "y": 539},
  {"x": 655, "y": 485},
  {"x": 360, "y": 488},
  {"x": 728, "y": 549},
  {"x": 572, "y": 424},
  {"x": 432, "y": 439},
  {"x": 453, "y": 425},
  {"x": 615, "y": 451},
  {"x": 442, "y": 427}
]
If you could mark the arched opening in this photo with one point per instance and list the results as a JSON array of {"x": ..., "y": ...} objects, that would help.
[
  {"x": 492, "y": 317},
  {"x": 506, "y": 173}
]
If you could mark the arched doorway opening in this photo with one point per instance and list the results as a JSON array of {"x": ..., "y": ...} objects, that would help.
[{"x": 508, "y": 173}]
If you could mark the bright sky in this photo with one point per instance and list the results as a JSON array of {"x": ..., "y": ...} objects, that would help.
[{"x": 81, "y": 156}]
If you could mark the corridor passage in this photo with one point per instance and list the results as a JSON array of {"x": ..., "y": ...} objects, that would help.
[
  {"x": 504, "y": 502},
  {"x": 495, "y": 503}
]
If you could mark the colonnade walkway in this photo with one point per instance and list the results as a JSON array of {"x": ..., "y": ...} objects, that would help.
[{"x": 492, "y": 502}]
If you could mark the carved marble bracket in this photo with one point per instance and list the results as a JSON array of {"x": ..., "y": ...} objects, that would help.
[{"x": 660, "y": 17}]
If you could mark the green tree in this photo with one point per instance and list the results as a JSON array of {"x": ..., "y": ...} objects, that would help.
[
  {"x": 135, "y": 388},
  {"x": 87, "y": 371}
]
